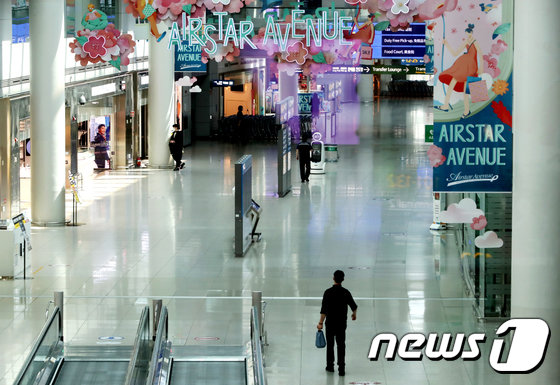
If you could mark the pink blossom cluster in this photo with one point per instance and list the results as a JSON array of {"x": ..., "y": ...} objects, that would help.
[
  {"x": 170, "y": 11},
  {"x": 435, "y": 155},
  {"x": 104, "y": 45},
  {"x": 491, "y": 60},
  {"x": 406, "y": 12},
  {"x": 311, "y": 59},
  {"x": 228, "y": 52},
  {"x": 479, "y": 223}
]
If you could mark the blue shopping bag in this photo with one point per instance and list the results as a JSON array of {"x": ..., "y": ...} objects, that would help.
[{"x": 320, "y": 339}]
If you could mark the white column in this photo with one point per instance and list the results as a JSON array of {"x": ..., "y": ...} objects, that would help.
[
  {"x": 535, "y": 289},
  {"x": 160, "y": 103},
  {"x": 5, "y": 37},
  {"x": 365, "y": 84},
  {"x": 288, "y": 86},
  {"x": 47, "y": 111}
]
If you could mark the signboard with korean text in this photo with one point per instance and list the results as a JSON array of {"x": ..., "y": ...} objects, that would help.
[{"x": 400, "y": 44}]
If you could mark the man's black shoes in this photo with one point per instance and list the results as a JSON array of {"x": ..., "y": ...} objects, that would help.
[
  {"x": 341, "y": 372},
  {"x": 329, "y": 369}
]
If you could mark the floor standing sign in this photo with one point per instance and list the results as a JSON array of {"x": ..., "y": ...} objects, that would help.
[
  {"x": 284, "y": 160},
  {"x": 15, "y": 248},
  {"x": 243, "y": 204}
]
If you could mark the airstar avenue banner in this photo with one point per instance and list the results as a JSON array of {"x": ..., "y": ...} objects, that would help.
[{"x": 473, "y": 63}]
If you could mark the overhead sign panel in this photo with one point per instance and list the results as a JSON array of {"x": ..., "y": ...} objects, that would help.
[{"x": 401, "y": 44}]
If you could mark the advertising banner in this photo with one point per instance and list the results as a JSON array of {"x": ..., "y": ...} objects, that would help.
[{"x": 473, "y": 64}]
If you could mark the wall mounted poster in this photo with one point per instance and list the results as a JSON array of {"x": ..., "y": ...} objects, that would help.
[{"x": 473, "y": 65}]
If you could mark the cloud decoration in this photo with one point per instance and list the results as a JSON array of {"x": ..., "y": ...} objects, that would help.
[
  {"x": 488, "y": 240},
  {"x": 186, "y": 81},
  {"x": 462, "y": 212},
  {"x": 195, "y": 89}
]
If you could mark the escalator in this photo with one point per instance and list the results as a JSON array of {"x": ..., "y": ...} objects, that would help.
[
  {"x": 207, "y": 365},
  {"x": 51, "y": 362},
  {"x": 150, "y": 361}
]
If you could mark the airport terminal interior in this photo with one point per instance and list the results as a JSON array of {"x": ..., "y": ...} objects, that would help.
[{"x": 125, "y": 263}]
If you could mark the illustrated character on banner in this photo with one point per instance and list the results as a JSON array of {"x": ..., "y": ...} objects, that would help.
[{"x": 468, "y": 65}]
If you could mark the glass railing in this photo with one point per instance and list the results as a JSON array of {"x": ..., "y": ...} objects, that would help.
[
  {"x": 137, "y": 373},
  {"x": 45, "y": 355},
  {"x": 256, "y": 345},
  {"x": 160, "y": 365}
]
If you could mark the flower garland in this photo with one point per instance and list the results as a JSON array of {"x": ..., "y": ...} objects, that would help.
[{"x": 101, "y": 41}]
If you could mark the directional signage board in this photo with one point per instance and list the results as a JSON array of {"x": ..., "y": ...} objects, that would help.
[
  {"x": 401, "y": 44},
  {"x": 396, "y": 69},
  {"x": 222, "y": 83},
  {"x": 350, "y": 69}
]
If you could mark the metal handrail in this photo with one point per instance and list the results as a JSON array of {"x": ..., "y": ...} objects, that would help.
[
  {"x": 159, "y": 344},
  {"x": 256, "y": 344},
  {"x": 143, "y": 325},
  {"x": 54, "y": 317}
]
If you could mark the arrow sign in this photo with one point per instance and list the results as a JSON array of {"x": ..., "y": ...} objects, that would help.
[{"x": 398, "y": 69}]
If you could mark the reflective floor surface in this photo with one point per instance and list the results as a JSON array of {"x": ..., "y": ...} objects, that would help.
[{"x": 148, "y": 234}]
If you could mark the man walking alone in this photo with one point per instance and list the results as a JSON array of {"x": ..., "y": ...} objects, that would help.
[
  {"x": 303, "y": 154},
  {"x": 334, "y": 312}
]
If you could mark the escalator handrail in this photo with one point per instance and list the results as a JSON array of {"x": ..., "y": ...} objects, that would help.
[
  {"x": 159, "y": 345},
  {"x": 144, "y": 319},
  {"x": 256, "y": 344},
  {"x": 54, "y": 317}
]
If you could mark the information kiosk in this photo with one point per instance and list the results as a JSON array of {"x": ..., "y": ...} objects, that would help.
[{"x": 245, "y": 220}]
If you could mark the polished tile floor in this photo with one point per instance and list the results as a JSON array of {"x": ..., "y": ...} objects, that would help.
[{"x": 150, "y": 234}]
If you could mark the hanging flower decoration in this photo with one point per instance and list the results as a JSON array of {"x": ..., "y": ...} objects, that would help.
[
  {"x": 228, "y": 52},
  {"x": 355, "y": 2},
  {"x": 101, "y": 41},
  {"x": 310, "y": 59},
  {"x": 297, "y": 53},
  {"x": 170, "y": 11},
  {"x": 399, "y": 6},
  {"x": 95, "y": 46}
]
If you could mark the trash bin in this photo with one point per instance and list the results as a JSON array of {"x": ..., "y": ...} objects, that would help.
[{"x": 331, "y": 152}]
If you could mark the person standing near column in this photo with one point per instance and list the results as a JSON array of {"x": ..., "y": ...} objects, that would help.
[
  {"x": 334, "y": 312},
  {"x": 176, "y": 147}
]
